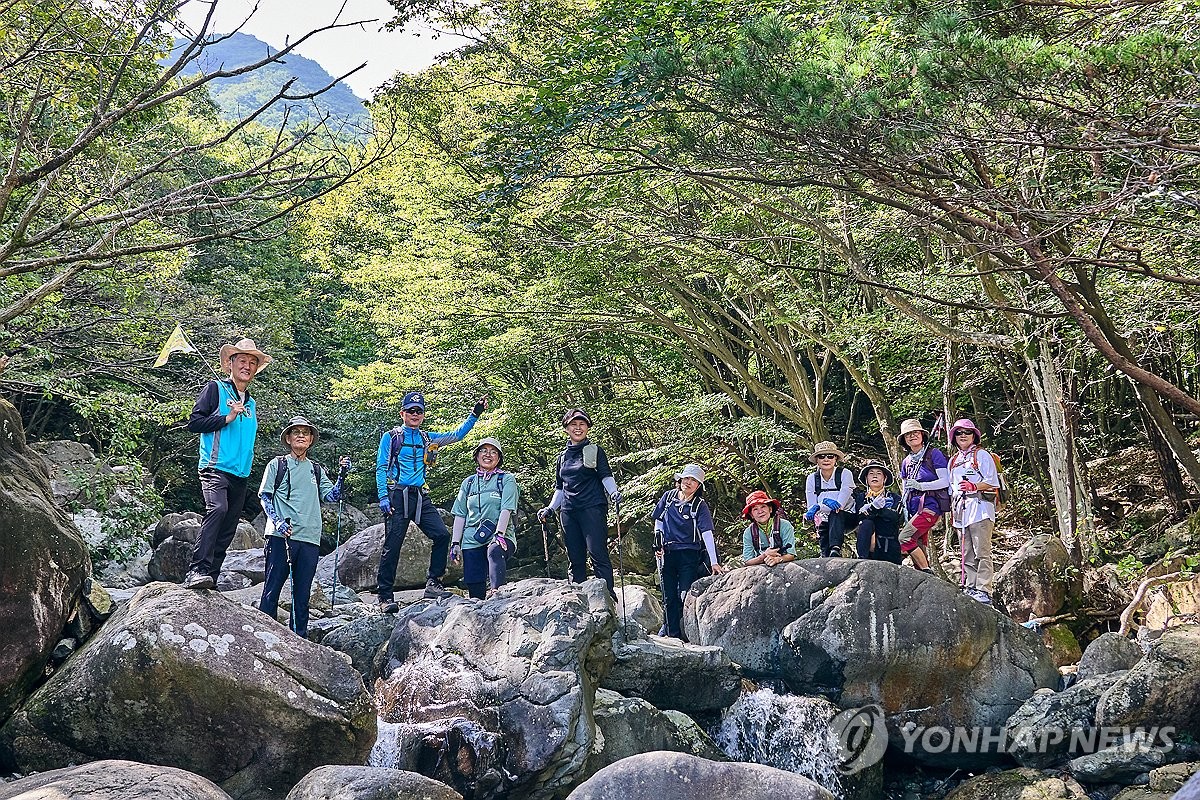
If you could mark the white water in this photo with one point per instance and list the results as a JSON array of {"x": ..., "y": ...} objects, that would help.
[
  {"x": 785, "y": 731},
  {"x": 386, "y": 752}
]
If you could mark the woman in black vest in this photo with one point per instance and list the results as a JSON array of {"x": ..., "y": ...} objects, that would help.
[{"x": 583, "y": 488}]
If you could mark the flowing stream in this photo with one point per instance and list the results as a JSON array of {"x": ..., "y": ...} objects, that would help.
[{"x": 785, "y": 731}]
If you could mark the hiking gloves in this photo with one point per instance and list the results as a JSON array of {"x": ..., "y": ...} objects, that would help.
[
  {"x": 478, "y": 409},
  {"x": 811, "y": 514},
  {"x": 385, "y": 506}
]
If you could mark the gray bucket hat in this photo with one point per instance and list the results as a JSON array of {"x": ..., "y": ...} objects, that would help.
[
  {"x": 493, "y": 443},
  {"x": 298, "y": 422}
]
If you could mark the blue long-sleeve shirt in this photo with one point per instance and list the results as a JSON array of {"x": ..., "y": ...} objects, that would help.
[{"x": 408, "y": 466}]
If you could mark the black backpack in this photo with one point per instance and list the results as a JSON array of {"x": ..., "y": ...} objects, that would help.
[
  {"x": 705, "y": 567},
  {"x": 282, "y": 473},
  {"x": 776, "y": 536}
]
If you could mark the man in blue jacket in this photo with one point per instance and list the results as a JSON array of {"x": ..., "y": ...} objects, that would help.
[
  {"x": 224, "y": 416},
  {"x": 405, "y": 452}
]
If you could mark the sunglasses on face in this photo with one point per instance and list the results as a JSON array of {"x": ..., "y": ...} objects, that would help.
[
  {"x": 964, "y": 433},
  {"x": 827, "y": 455},
  {"x": 414, "y": 411}
]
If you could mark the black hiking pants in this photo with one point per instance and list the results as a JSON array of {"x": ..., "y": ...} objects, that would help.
[{"x": 224, "y": 495}]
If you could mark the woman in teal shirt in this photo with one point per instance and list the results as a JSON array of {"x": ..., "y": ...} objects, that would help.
[{"x": 484, "y": 534}]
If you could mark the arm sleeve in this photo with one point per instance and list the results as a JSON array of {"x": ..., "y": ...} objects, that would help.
[
  {"x": 206, "y": 417},
  {"x": 460, "y": 525},
  {"x": 328, "y": 490},
  {"x": 847, "y": 488},
  {"x": 556, "y": 500},
  {"x": 710, "y": 545},
  {"x": 502, "y": 523},
  {"x": 455, "y": 436},
  {"x": 602, "y": 468},
  {"x": 610, "y": 484},
  {"x": 381, "y": 464},
  {"x": 937, "y": 460},
  {"x": 810, "y": 491}
]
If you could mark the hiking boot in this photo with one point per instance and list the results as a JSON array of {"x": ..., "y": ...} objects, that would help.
[
  {"x": 979, "y": 596},
  {"x": 388, "y": 607},
  {"x": 434, "y": 590},
  {"x": 198, "y": 580}
]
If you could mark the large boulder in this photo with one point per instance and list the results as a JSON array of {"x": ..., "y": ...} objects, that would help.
[
  {"x": 627, "y": 726},
  {"x": 641, "y": 609},
  {"x": 76, "y": 475},
  {"x": 676, "y": 776},
  {"x": 364, "y": 640},
  {"x": 1109, "y": 652},
  {"x": 495, "y": 697},
  {"x": 170, "y": 560},
  {"x": 870, "y": 632},
  {"x": 1174, "y": 605},
  {"x": 369, "y": 783},
  {"x": 43, "y": 564},
  {"x": 1037, "y": 580},
  {"x": 188, "y": 679},
  {"x": 358, "y": 561},
  {"x": 113, "y": 780},
  {"x": 671, "y": 674},
  {"x": 1018, "y": 784},
  {"x": 1123, "y": 763},
  {"x": 1050, "y": 727},
  {"x": 1163, "y": 689}
]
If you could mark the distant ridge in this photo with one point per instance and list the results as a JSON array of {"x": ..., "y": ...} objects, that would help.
[{"x": 237, "y": 97}]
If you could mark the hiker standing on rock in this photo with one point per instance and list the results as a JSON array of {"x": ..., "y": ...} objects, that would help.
[
  {"x": 973, "y": 480},
  {"x": 583, "y": 488},
  {"x": 224, "y": 416},
  {"x": 925, "y": 482},
  {"x": 291, "y": 491},
  {"x": 484, "y": 521},
  {"x": 405, "y": 454},
  {"x": 879, "y": 517},
  {"x": 828, "y": 492},
  {"x": 683, "y": 524},
  {"x": 769, "y": 539}
]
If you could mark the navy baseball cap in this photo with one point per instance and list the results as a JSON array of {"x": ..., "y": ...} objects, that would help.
[{"x": 413, "y": 400}]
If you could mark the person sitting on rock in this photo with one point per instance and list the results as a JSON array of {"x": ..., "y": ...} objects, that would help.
[
  {"x": 973, "y": 482},
  {"x": 925, "y": 476},
  {"x": 683, "y": 524},
  {"x": 291, "y": 491},
  {"x": 769, "y": 539},
  {"x": 405, "y": 454},
  {"x": 484, "y": 534},
  {"x": 224, "y": 415},
  {"x": 584, "y": 487},
  {"x": 879, "y": 517},
  {"x": 829, "y": 494}
]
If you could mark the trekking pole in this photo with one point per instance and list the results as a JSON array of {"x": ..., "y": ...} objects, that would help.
[
  {"x": 563, "y": 531},
  {"x": 546, "y": 544},
  {"x": 337, "y": 540},
  {"x": 291, "y": 575},
  {"x": 621, "y": 570}
]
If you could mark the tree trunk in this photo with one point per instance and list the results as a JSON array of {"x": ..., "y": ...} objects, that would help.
[{"x": 1176, "y": 494}]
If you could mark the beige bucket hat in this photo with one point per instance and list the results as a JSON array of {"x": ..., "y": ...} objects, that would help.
[{"x": 824, "y": 448}]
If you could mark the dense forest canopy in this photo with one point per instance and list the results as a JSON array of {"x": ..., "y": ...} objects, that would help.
[{"x": 727, "y": 230}]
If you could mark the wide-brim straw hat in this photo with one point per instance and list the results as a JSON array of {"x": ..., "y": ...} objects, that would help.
[
  {"x": 862, "y": 473},
  {"x": 825, "y": 448},
  {"x": 298, "y": 422},
  {"x": 912, "y": 426},
  {"x": 760, "y": 498},
  {"x": 247, "y": 346}
]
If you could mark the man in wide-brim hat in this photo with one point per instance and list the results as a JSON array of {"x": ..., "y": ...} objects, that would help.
[{"x": 224, "y": 415}]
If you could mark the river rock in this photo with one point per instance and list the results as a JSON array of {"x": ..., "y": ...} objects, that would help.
[
  {"x": 190, "y": 680},
  {"x": 358, "y": 561},
  {"x": 1121, "y": 764},
  {"x": 870, "y": 632},
  {"x": 1061, "y": 643},
  {"x": 1042, "y": 729},
  {"x": 1161, "y": 689},
  {"x": 1174, "y": 605},
  {"x": 73, "y": 470},
  {"x": 671, "y": 674},
  {"x": 495, "y": 697},
  {"x": 250, "y": 563},
  {"x": 184, "y": 526},
  {"x": 627, "y": 726},
  {"x": 643, "y": 610},
  {"x": 113, "y": 780},
  {"x": 369, "y": 783},
  {"x": 363, "y": 640},
  {"x": 43, "y": 564},
  {"x": 1171, "y": 778},
  {"x": 1018, "y": 784},
  {"x": 170, "y": 560},
  {"x": 1109, "y": 652},
  {"x": 677, "y": 776},
  {"x": 246, "y": 538},
  {"x": 1036, "y": 580}
]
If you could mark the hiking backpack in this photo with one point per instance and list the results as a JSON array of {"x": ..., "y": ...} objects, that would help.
[
  {"x": 512, "y": 520},
  {"x": 282, "y": 473},
  {"x": 998, "y": 496},
  {"x": 429, "y": 448},
  {"x": 776, "y": 535},
  {"x": 705, "y": 567}
]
